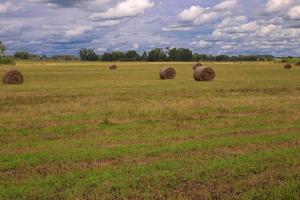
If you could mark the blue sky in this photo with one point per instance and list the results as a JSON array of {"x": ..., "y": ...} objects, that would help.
[{"x": 206, "y": 26}]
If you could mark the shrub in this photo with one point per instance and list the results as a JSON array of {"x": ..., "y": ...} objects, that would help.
[{"x": 6, "y": 61}]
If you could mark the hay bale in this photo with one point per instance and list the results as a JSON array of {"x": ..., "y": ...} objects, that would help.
[
  {"x": 113, "y": 67},
  {"x": 13, "y": 76},
  {"x": 288, "y": 66},
  {"x": 197, "y": 65},
  {"x": 204, "y": 74},
  {"x": 167, "y": 73}
]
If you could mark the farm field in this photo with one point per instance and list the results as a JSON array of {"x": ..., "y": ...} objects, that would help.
[{"x": 77, "y": 130}]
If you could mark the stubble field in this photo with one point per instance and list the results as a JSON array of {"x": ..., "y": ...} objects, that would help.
[{"x": 77, "y": 130}]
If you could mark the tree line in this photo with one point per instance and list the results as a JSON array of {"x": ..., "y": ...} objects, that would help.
[
  {"x": 154, "y": 55},
  {"x": 167, "y": 54}
]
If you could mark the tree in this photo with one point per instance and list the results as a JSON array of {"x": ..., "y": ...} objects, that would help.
[
  {"x": 88, "y": 54},
  {"x": 2, "y": 48},
  {"x": 222, "y": 58},
  {"x": 118, "y": 55},
  {"x": 144, "y": 56},
  {"x": 200, "y": 57},
  {"x": 132, "y": 55},
  {"x": 24, "y": 55},
  {"x": 157, "y": 55}
]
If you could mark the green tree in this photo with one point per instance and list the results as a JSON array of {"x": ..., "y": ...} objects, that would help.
[
  {"x": 118, "y": 55},
  {"x": 88, "y": 54},
  {"x": 144, "y": 56},
  {"x": 2, "y": 49},
  {"x": 132, "y": 55},
  {"x": 157, "y": 55},
  {"x": 24, "y": 55}
]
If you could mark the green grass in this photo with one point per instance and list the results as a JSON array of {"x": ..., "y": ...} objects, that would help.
[{"x": 77, "y": 130}]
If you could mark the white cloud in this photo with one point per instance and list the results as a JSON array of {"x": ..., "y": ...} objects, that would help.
[
  {"x": 207, "y": 17},
  {"x": 197, "y": 15},
  {"x": 4, "y": 7},
  {"x": 294, "y": 13},
  {"x": 267, "y": 30},
  {"x": 79, "y": 30},
  {"x": 100, "y": 50},
  {"x": 278, "y": 5},
  {"x": 108, "y": 23},
  {"x": 136, "y": 45},
  {"x": 237, "y": 34},
  {"x": 176, "y": 27},
  {"x": 231, "y": 21},
  {"x": 226, "y": 46},
  {"x": 226, "y": 5},
  {"x": 248, "y": 27},
  {"x": 201, "y": 44},
  {"x": 8, "y": 7},
  {"x": 124, "y": 9},
  {"x": 192, "y": 13}
]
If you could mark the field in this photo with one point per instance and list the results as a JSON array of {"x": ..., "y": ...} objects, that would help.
[{"x": 77, "y": 130}]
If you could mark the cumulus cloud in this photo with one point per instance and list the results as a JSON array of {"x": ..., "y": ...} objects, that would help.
[
  {"x": 8, "y": 7},
  {"x": 136, "y": 45},
  {"x": 4, "y": 7},
  {"x": 226, "y": 5},
  {"x": 176, "y": 27},
  {"x": 124, "y": 9},
  {"x": 192, "y": 13},
  {"x": 77, "y": 31},
  {"x": 294, "y": 13},
  {"x": 197, "y": 15},
  {"x": 239, "y": 34},
  {"x": 278, "y": 5},
  {"x": 201, "y": 44}
]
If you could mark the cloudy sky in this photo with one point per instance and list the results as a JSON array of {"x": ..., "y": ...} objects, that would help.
[{"x": 206, "y": 26}]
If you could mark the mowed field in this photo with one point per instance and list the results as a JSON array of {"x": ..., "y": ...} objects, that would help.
[{"x": 77, "y": 130}]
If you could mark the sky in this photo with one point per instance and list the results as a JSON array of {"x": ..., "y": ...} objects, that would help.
[{"x": 205, "y": 26}]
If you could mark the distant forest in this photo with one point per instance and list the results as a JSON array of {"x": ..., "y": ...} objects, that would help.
[{"x": 155, "y": 55}]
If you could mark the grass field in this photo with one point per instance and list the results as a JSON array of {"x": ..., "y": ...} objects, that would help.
[{"x": 77, "y": 130}]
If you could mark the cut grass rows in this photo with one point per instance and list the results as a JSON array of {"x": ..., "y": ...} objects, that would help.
[
  {"x": 162, "y": 178},
  {"x": 12, "y": 164}
]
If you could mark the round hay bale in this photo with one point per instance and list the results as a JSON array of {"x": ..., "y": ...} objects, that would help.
[
  {"x": 204, "y": 74},
  {"x": 197, "y": 65},
  {"x": 13, "y": 76},
  {"x": 288, "y": 66},
  {"x": 113, "y": 67},
  {"x": 167, "y": 73}
]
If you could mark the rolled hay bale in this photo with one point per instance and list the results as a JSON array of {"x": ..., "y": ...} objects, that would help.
[
  {"x": 167, "y": 73},
  {"x": 197, "y": 65},
  {"x": 113, "y": 67},
  {"x": 13, "y": 77},
  {"x": 204, "y": 74},
  {"x": 288, "y": 66}
]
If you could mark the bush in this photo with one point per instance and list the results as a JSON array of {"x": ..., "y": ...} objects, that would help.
[
  {"x": 297, "y": 63},
  {"x": 6, "y": 61}
]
